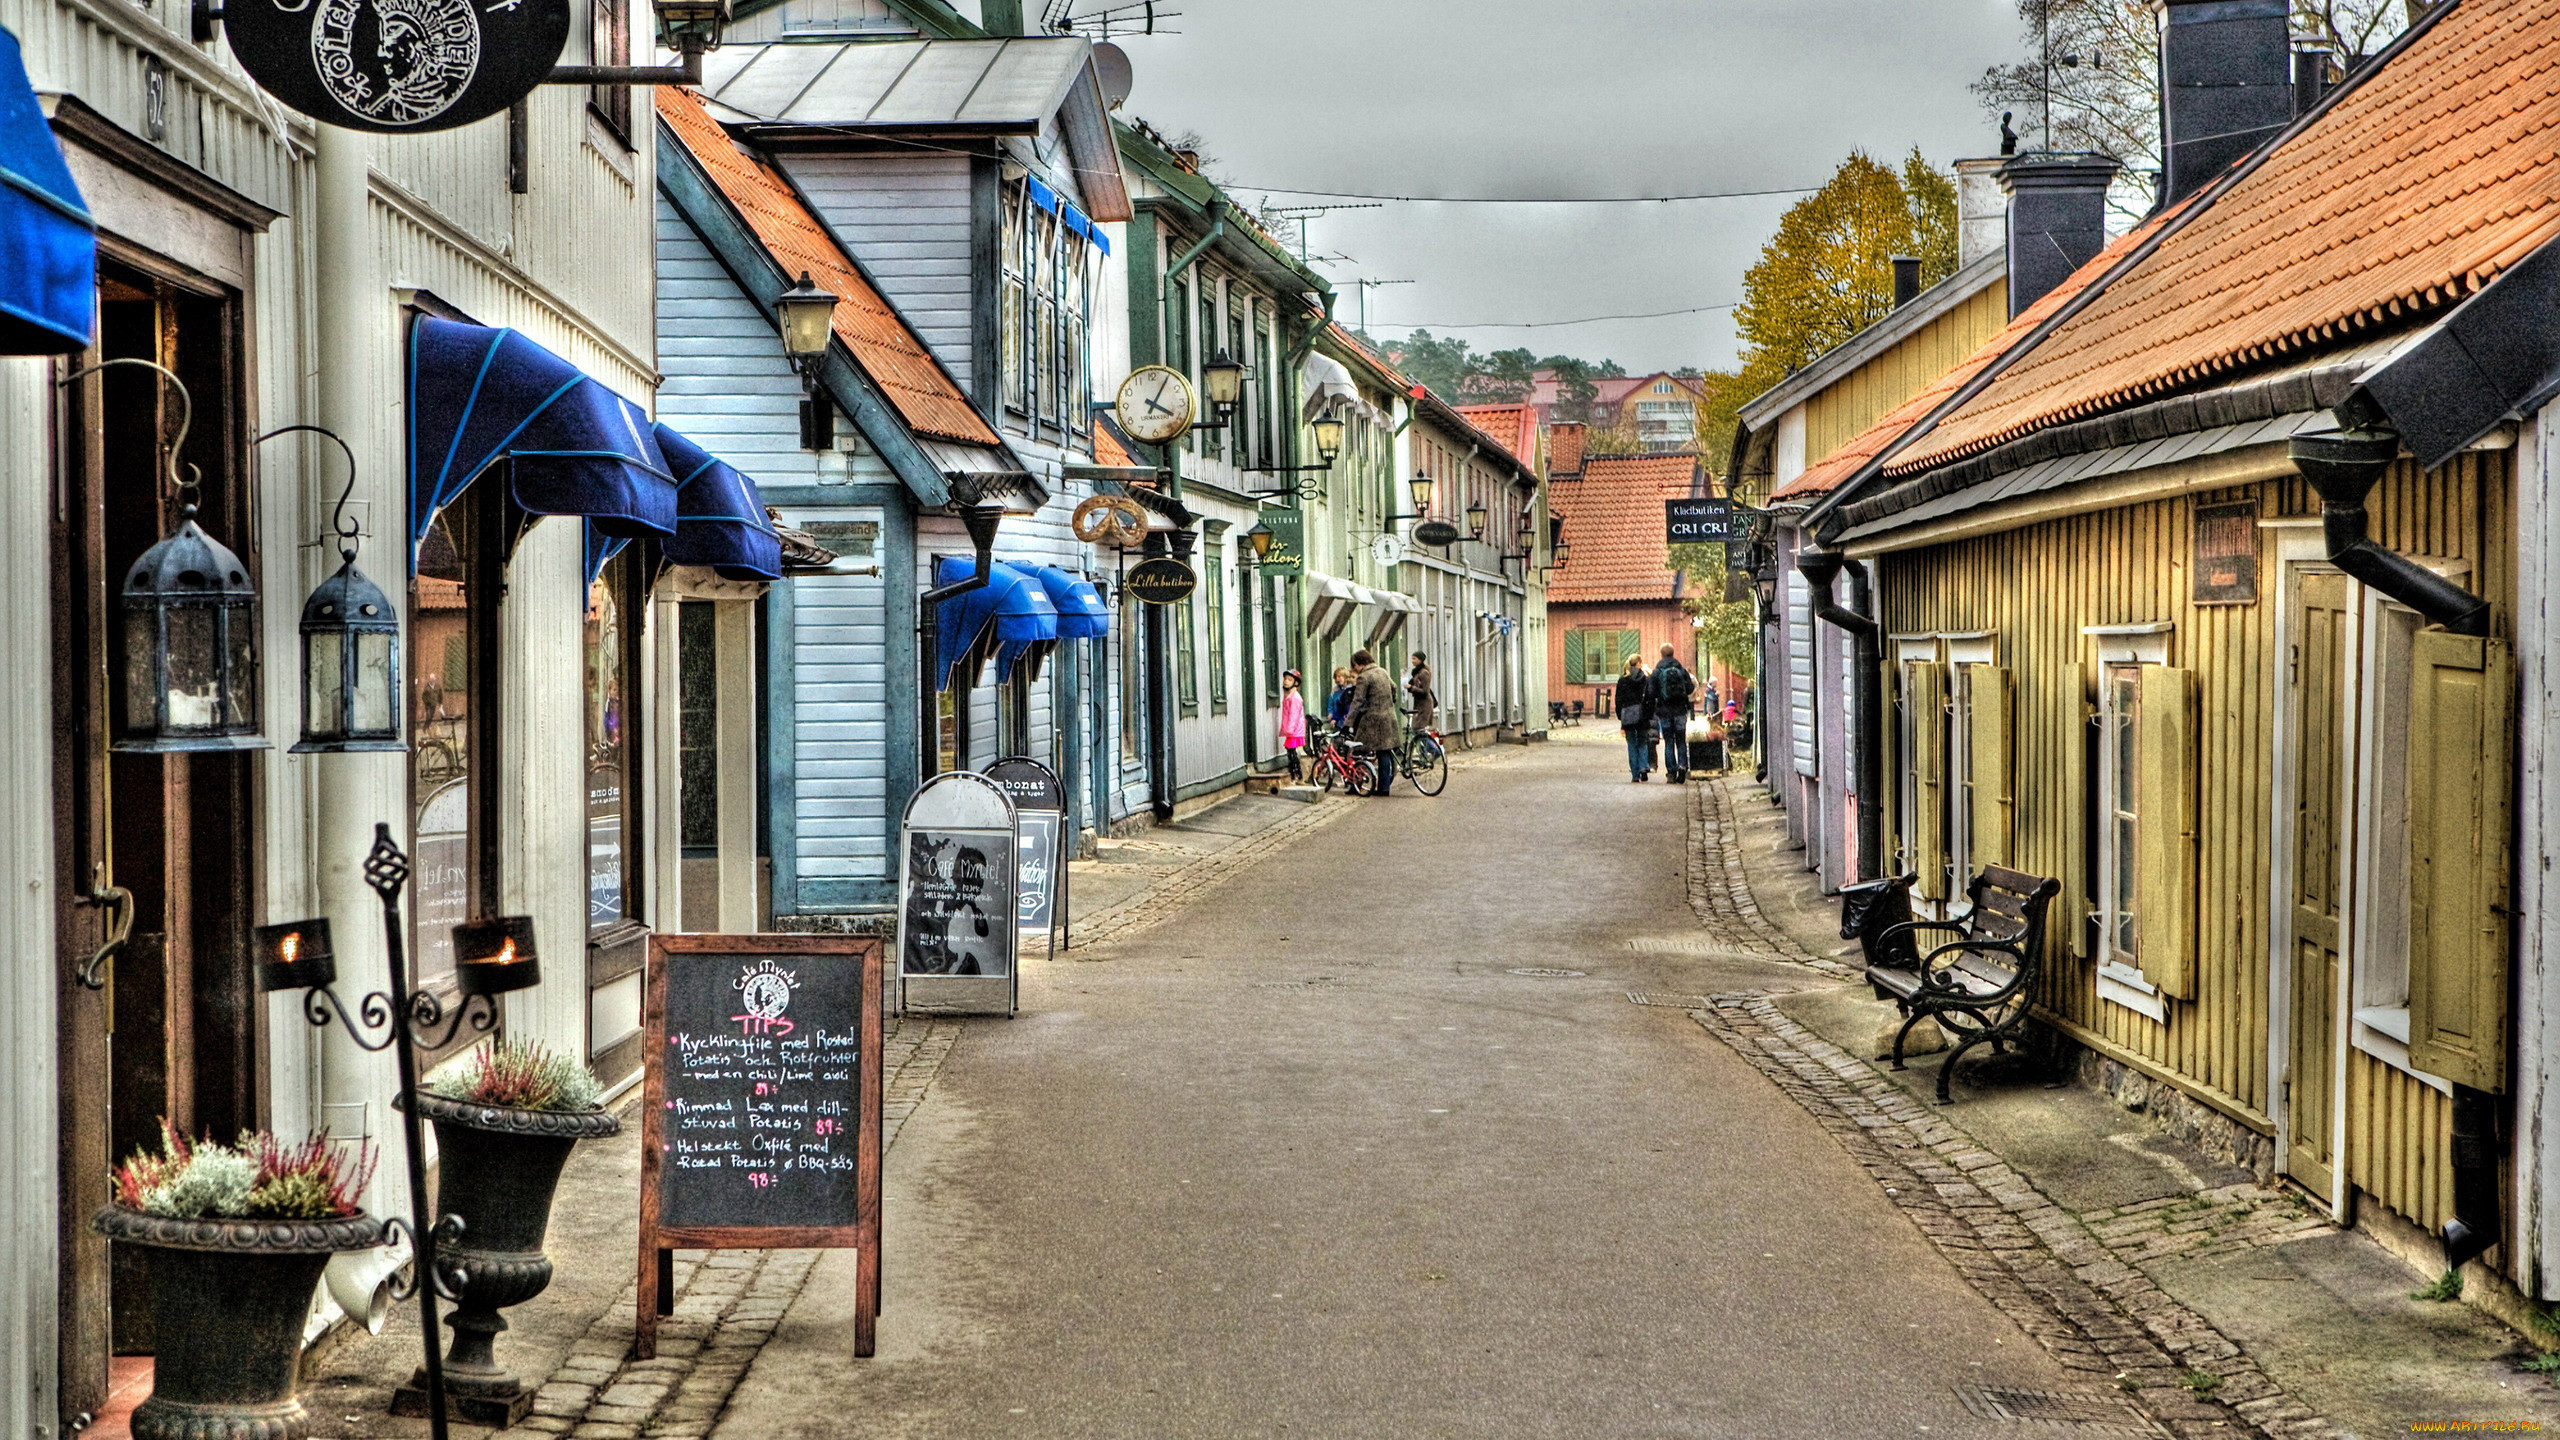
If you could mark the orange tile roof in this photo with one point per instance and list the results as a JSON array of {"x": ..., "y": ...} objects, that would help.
[
  {"x": 2414, "y": 189},
  {"x": 890, "y": 353},
  {"x": 1515, "y": 426},
  {"x": 1106, "y": 449},
  {"x": 1613, "y": 521}
]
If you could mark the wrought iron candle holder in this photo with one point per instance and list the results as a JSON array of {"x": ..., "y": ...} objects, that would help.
[{"x": 297, "y": 956}]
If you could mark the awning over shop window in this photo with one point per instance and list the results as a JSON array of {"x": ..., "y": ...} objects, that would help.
[
  {"x": 48, "y": 243},
  {"x": 720, "y": 520},
  {"x": 1330, "y": 601},
  {"x": 1006, "y": 619},
  {"x": 1393, "y": 606},
  {"x": 1081, "y": 613},
  {"x": 478, "y": 395}
]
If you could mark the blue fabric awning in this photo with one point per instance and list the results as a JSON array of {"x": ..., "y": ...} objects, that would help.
[
  {"x": 720, "y": 519},
  {"x": 1004, "y": 618},
  {"x": 1081, "y": 613},
  {"x": 48, "y": 243},
  {"x": 478, "y": 395}
]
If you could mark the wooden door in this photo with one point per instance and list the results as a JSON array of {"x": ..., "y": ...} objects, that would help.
[
  {"x": 174, "y": 1031},
  {"x": 2320, "y": 763}
]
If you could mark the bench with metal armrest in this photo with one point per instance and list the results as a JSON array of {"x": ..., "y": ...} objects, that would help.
[{"x": 1978, "y": 984}]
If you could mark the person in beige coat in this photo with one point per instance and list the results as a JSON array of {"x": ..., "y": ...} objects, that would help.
[{"x": 1373, "y": 715}]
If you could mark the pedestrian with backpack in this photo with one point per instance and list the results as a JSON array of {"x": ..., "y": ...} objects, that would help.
[{"x": 1674, "y": 691}]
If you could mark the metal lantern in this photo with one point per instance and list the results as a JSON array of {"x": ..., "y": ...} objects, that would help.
[
  {"x": 1420, "y": 486},
  {"x": 689, "y": 27},
  {"x": 1183, "y": 542},
  {"x": 1562, "y": 550},
  {"x": 1475, "y": 521},
  {"x": 1522, "y": 531},
  {"x": 1222, "y": 379},
  {"x": 808, "y": 319},
  {"x": 1258, "y": 541},
  {"x": 1328, "y": 431},
  {"x": 350, "y": 666},
  {"x": 492, "y": 957},
  {"x": 190, "y": 648}
]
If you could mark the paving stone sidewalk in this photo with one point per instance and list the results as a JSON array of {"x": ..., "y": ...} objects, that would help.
[{"x": 2072, "y": 1281}]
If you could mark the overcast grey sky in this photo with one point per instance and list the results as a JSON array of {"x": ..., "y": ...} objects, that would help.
[{"x": 1545, "y": 97}]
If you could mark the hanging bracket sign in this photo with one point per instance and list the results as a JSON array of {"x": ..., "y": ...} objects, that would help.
[
  {"x": 1161, "y": 581},
  {"x": 1703, "y": 520},
  {"x": 957, "y": 898},
  {"x": 397, "y": 66}
]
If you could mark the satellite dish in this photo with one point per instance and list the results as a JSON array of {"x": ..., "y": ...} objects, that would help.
[{"x": 1111, "y": 66}]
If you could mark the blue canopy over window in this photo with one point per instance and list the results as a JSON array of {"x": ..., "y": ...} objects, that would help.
[
  {"x": 1006, "y": 617},
  {"x": 48, "y": 243},
  {"x": 478, "y": 395},
  {"x": 720, "y": 519},
  {"x": 1081, "y": 613}
]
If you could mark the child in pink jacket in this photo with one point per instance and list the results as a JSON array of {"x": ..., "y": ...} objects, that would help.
[{"x": 1293, "y": 722}]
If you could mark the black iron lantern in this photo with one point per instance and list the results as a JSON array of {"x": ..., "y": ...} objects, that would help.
[
  {"x": 190, "y": 647},
  {"x": 1222, "y": 378},
  {"x": 295, "y": 955},
  {"x": 1258, "y": 541},
  {"x": 492, "y": 957},
  {"x": 1475, "y": 521},
  {"x": 350, "y": 666},
  {"x": 1420, "y": 486}
]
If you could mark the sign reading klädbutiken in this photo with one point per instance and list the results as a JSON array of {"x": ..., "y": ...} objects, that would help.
[
  {"x": 1703, "y": 520},
  {"x": 397, "y": 66}
]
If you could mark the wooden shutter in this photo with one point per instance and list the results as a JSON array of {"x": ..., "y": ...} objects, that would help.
[
  {"x": 2164, "y": 876},
  {"x": 2461, "y": 776},
  {"x": 1630, "y": 644},
  {"x": 1925, "y": 691},
  {"x": 1576, "y": 658},
  {"x": 1987, "y": 720}
]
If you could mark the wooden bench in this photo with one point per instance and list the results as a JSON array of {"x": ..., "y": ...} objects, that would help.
[{"x": 1976, "y": 985}]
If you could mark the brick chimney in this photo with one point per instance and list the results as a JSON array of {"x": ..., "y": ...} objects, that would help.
[
  {"x": 2226, "y": 85},
  {"x": 2057, "y": 219}
]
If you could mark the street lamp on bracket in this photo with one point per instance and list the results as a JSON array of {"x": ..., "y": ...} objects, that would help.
[
  {"x": 687, "y": 27},
  {"x": 806, "y": 314},
  {"x": 1327, "y": 431}
]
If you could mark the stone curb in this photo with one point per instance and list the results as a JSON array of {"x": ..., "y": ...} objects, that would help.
[{"x": 2071, "y": 1281}]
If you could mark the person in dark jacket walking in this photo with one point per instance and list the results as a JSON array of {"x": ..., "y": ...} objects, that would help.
[
  {"x": 1674, "y": 690},
  {"x": 1426, "y": 703},
  {"x": 1635, "y": 719}
]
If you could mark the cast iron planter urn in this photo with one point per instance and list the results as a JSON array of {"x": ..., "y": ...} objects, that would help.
[
  {"x": 228, "y": 1301},
  {"x": 497, "y": 1170}
]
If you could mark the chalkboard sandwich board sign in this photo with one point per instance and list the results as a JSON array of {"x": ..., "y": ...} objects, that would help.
[{"x": 760, "y": 1127}]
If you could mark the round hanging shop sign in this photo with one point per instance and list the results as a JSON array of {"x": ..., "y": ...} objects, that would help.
[
  {"x": 1435, "y": 532},
  {"x": 397, "y": 66},
  {"x": 1161, "y": 581}
]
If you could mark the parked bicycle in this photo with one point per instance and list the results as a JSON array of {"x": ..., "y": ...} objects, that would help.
[
  {"x": 1336, "y": 759},
  {"x": 1424, "y": 760}
]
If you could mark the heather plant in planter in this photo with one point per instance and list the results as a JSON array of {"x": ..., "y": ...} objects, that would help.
[
  {"x": 505, "y": 1116},
  {"x": 238, "y": 1236}
]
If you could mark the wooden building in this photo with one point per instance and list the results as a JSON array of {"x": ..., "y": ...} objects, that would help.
[
  {"x": 2197, "y": 588},
  {"x": 1617, "y": 597}
]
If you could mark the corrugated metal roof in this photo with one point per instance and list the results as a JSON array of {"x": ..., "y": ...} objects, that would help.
[
  {"x": 952, "y": 84},
  {"x": 890, "y": 353}
]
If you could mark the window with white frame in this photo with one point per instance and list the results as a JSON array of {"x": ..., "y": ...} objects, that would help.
[
  {"x": 1968, "y": 657},
  {"x": 2122, "y": 651},
  {"x": 1042, "y": 305}
]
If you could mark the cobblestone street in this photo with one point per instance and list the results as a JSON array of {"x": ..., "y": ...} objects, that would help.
[{"x": 1280, "y": 1148}]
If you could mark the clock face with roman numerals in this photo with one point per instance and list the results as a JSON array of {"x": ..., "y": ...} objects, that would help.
[{"x": 1155, "y": 404}]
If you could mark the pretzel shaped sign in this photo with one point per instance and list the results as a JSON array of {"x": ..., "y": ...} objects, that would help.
[{"x": 1110, "y": 520}]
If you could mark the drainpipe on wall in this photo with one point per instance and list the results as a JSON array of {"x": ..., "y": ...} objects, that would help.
[
  {"x": 2343, "y": 466},
  {"x": 982, "y": 521},
  {"x": 1866, "y": 658}
]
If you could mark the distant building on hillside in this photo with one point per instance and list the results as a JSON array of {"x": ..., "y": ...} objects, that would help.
[{"x": 1657, "y": 413}]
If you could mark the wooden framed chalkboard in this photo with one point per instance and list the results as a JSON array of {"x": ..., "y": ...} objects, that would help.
[{"x": 760, "y": 1123}]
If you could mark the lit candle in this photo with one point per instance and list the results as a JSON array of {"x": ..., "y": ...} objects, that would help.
[
  {"x": 295, "y": 955},
  {"x": 492, "y": 957}
]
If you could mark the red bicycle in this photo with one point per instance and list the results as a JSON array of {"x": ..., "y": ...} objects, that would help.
[{"x": 1340, "y": 760}]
